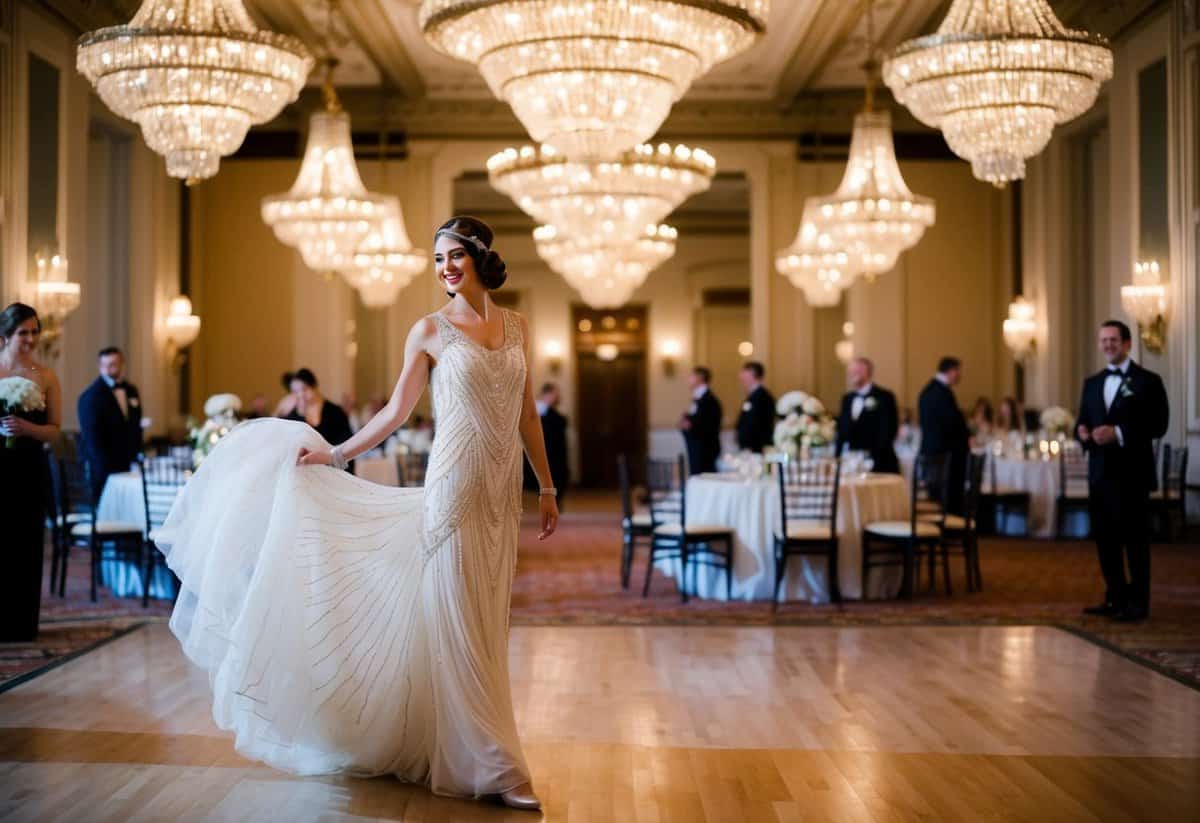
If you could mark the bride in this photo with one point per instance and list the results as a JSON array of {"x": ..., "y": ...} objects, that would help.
[{"x": 362, "y": 629}]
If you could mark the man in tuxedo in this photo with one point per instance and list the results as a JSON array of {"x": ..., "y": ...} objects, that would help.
[
  {"x": 110, "y": 420},
  {"x": 944, "y": 428},
  {"x": 554, "y": 430},
  {"x": 701, "y": 425},
  {"x": 756, "y": 423},
  {"x": 1122, "y": 410},
  {"x": 868, "y": 420}
]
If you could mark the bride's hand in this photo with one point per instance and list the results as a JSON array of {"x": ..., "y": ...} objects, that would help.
[
  {"x": 549, "y": 509},
  {"x": 320, "y": 457}
]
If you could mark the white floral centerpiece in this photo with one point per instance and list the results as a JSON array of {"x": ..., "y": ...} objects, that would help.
[
  {"x": 221, "y": 411},
  {"x": 805, "y": 425},
  {"x": 1057, "y": 421},
  {"x": 19, "y": 396}
]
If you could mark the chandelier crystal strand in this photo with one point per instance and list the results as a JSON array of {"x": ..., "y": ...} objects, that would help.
[
  {"x": 601, "y": 203},
  {"x": 594, "y": 78},
  {"x": 605, "y": 272},
  {"x": 996, "y": 78},
  {"x": 815, "y": 263},
  {"x": 328, "y": 212},
  {"x": 195, "y": 75},
  {"x": 386, "y": 261}
]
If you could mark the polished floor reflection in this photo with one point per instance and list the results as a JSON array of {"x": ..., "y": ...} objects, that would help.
[{"x": 664, "y": 724}]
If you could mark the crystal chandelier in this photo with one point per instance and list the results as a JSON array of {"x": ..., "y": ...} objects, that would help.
[
  {"x": 328, "y": 212},
  {"x": 996, "y": 78},
  {"x": 873, "y": 215},
  {"x": 1145, "y": 300},
  {"x": 386, "y": 261},
  {"x": 815, "y": 264},
  {"x": 195, "y": 75},
  {"x": 596, "y": 78},
  {"x": 1020, "y": 328},
  {"x": 55, "y": 297},
  {"x": 605, "y": 275},
  {"x": 601, "y": 203}
]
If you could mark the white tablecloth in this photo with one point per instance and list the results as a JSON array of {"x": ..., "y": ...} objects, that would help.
[
  {"x": 752, "y": 509},
  {"x": 122, "y": 500},
  {"x": 381, "y": 470},
  {"x": 1037, "y": 477}
]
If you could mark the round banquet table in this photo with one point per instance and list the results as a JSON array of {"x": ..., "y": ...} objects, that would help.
[
  {"x": 751, "y": 508},
  {"x": 122, "y": 500},
  {"x": 1040, "y": 478}
]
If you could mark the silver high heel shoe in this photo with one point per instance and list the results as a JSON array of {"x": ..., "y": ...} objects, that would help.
[{"x": 522, "y": 797}]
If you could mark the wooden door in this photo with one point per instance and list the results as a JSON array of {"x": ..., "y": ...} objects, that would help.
[{"x": 611, "y": 401}]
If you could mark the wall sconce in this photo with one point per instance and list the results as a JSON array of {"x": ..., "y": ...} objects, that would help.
[
  {"x": 1020, "y": 328},
  {"x": 182, "y": 329},
  {"x": 746, "y": 348},
  {"x": 607, "y": 352},
  {"x": 55, "y": 297},
  {"x": 844, "y": 348},
  {"x": 670, "y": 350},
  {"x": 1146, "y": 302},
  {"x": 552, "y": 350}
]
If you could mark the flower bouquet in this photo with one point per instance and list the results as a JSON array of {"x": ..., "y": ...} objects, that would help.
[
  {"x": 221, "y": 410},
  {"x": 805, "y": 425},
  {"x": 1057, "y": 421},
  {"x": 19, "y": 396}
]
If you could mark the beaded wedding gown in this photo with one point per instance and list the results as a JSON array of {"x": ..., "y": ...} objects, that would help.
[{"x": 357, "y": 628}]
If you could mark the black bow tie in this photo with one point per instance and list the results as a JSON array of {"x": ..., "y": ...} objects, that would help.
[{"x": 1114, "y": 372}]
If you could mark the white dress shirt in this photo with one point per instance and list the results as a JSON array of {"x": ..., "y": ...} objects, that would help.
[
  {"x": 119, "y": 393},
  {"x": 860, "y": 399},
  {"x": 1112, "y": 384}
]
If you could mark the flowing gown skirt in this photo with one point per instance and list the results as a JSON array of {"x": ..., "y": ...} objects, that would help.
[{"x": 335, "y": 639}]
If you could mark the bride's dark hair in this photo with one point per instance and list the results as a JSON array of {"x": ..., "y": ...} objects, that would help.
[
  {"x": 13, "y": 316},
  {"x": 488, "y": 264}
]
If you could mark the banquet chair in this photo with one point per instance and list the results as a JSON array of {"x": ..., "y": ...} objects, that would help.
[
  {"x": 1002, "y": 501},
  {"x": 960, "y": 533},
  {"x": 673, "y": 538},
  {"x": 162, "y": 480},
  {"x": 636, "y": 525},
  {"x": 889, "y": 543},
  {"x": 112, "y": 539},
  {"x": 1171, "y": 495},
  {"x": 808, "y": 494},
  {"x": 411, "y": 467},
  {"x": 1072, "y": 486}
]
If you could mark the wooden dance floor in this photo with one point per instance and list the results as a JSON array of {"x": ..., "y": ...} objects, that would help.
[{"x": 665, "y": 724}]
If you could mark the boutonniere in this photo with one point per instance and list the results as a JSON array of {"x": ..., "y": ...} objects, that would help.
[
  {"x": 870, "y": 403},
  {"x": 1126, "y": 390},
  {"x": 746, "y": 406}
]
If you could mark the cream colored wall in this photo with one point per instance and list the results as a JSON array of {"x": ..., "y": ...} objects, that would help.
[
  {"x": 245, "y": 286},
  {"x": 946, "y": 296}
]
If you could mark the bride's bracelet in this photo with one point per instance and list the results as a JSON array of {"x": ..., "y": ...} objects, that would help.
[
  {"x": 337, "y": 459},
  {"x": 549, "y": 491}
]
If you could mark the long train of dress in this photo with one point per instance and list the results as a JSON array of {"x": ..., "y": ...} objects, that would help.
[{"x": 356, "y": 628}]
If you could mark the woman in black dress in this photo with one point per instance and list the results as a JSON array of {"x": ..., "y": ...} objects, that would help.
[
  {"x": 328, "y": 418},
  {"x": 24, "y": 476}
]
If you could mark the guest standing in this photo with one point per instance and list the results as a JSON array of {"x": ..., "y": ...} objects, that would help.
[
  {"x": 943, "y": 427},
  {"x": 756, "y": 423},
  {"x": 554, "y": 431},
  {"x": 110, "y": 420},
  {"x": 312, "y": 407},
  {"x": 1122, "y": 410},
  {"x": 24, "y": 476},
  {"x": 701, "y": 425},
  {"x": 869, "y": 420}
]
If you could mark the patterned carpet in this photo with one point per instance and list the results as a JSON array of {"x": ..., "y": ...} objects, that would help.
[{"x": 572, "y": 579}]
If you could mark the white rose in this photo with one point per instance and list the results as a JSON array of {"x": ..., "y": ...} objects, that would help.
[
  {"x": 790, "y": 402},
  {"x": 813, "y": 406}
]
